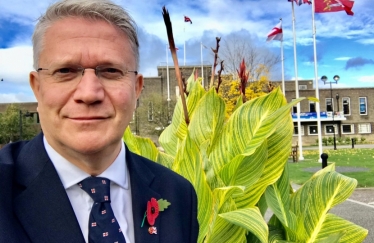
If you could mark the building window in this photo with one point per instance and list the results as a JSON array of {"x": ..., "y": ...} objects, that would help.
[
  {"x": 312, "y": 106},
  {"x": 296, "y": 130},
  {"x": 346, "y": 106},
  {"x": 312, "y": 130},
  {"x": 363, "y": 106},
  {"x": 294, "y": 108},
  {"x": 330, "y": 129},
  {"x": 348, "y": 129},
  {"x": 329, "y": 104},
  {"x": 364, "y": 128},
  {"x": 150, "y": 111}
]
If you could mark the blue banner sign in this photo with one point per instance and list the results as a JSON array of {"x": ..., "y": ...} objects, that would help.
[{"x": 309, "y": 115}]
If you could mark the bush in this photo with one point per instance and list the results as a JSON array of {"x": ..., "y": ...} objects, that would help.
[{"x": 238, "y": 175}]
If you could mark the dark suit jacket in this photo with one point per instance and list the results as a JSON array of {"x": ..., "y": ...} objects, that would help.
[{"x": 34, "y": 206}]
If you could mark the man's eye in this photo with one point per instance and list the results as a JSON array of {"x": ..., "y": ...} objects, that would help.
[
  {"x": 66, "y": 70},
  {"x": 111, "y": 70}
]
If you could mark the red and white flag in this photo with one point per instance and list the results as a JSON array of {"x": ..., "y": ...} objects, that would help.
[
  {"x": 327, "y": 6},
  {"x": 187, "y": 19},
  {"x": 276, "y": 33}
]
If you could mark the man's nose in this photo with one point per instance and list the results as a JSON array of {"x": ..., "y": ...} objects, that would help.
[{"x": 89, "y": 90}]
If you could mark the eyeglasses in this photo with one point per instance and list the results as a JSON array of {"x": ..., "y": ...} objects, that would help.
[{"x": 74, "y": 73}]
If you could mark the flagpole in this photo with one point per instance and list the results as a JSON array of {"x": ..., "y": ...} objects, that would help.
[
  {"x": 167, "y": 74},
  {"x": 282, "y": 57},
  {"x": 184, "y": 48},
  {"x": 297, "y": 85},
  {"x": 316, "y": 86},
  {"x": 168, "y": 80},
  {"x": 202, "y": 68}
]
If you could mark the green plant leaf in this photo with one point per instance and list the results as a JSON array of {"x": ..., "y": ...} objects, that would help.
[
  {"x": 188, "y": 164},
  {"x": 226, "y": 232},
  {"x": 140, "y": 145},
  {"x": 348, "y": 231},
  {"x": 318, "y": 195},
  {"x": 262, "y": 205},
  {"x": 275, "y": 234},
  {"x": 279, "y": 144},
  {"x": 245, "y": 170},
  {"x": 223, "y": 194},
  {"x": 278, "y": 199},
  {"x": 249, "y": 219},
  {"x": 165, "y": 160},
  {"x": 163, "y": 204},
  {"x": 207, "y": 120}
]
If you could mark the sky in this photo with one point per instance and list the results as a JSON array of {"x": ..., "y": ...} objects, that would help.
[{"x": 345, "y": 44}]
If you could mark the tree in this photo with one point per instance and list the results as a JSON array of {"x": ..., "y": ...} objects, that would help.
[
  {"x": 10, "y": 125},
  {"x": 237, "y": 46},
  {"x": 152, "y": 116},
  {"x": 230, "y": 92}
]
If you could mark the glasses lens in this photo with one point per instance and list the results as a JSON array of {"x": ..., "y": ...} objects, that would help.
[
  {"x": 110, "y": 73},
  {"x": 67, "y": 73}
]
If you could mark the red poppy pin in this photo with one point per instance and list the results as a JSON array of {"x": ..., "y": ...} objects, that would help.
[{"x": 154, "y": 207}]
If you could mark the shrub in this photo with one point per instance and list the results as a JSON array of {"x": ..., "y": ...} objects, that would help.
[
  {"x": 238, "y": 168},
  {"x": 324, "y": 141}
]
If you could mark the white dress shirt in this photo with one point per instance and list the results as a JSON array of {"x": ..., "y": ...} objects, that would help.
[{"x": 120, "y": 191}]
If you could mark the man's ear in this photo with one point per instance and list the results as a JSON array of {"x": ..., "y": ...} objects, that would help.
[
  {"x": 138, "y": 85},
  {"x": 34, "y": 83}
]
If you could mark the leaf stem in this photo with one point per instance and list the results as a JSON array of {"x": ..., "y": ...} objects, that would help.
[
  {"x": 215, "y": 51},
  {"x": 169, "y": 30}
]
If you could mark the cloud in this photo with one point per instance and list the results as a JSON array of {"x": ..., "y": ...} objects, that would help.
[
  {"x": 366, "y": 79},
  {"x": 366, "y": 41},
  {"x": 15, "y": 64},
  {"x": 342, "y": 58},
  {"x": 357, "y": 62},
  {"x": 16, "y": 98}
]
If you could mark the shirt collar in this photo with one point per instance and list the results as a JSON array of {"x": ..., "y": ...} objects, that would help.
[{"x": 71, "y": 175}]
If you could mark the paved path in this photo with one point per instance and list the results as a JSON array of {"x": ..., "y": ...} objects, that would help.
[
  {"x": 338, "y": 146},
  {"x": 359, "y": 213}
]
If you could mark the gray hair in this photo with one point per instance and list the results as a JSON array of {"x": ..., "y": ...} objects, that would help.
[{"x": 90, "y": 9}]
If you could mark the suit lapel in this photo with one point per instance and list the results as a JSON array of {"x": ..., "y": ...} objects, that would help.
[
  {"x": 41, "y": 203},
  {"x": 141, "y": 178}
]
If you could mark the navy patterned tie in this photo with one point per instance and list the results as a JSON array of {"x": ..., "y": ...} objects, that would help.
[{"x": 103, "y": 226}]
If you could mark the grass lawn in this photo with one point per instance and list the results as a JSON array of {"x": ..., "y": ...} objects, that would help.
[{"x": 346, "y": 158}]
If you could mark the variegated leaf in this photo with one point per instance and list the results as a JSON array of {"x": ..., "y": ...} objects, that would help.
[
  {"x": 350, "y": 232},
  {"x": 249, "y": 219},
  {"x": 312, "y": 202}
]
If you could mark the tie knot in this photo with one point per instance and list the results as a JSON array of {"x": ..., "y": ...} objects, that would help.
[{"x": 97, "y": 187}]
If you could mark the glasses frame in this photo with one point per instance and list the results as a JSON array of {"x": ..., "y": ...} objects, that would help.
[{"x": 82, "y": 69}]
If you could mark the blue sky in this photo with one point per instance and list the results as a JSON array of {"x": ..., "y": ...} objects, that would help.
[{"x": 345, "y": 44}]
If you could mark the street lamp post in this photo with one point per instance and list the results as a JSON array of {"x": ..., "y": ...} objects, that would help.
[
  {"x": 337, "y": 102},
  {"x": 325, "y": 80}
]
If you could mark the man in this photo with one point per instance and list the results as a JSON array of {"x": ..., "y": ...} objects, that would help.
[{"x": 86, "y": 85}]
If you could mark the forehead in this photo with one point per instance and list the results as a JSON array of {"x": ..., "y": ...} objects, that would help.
[{"x": 85, "y": 40}]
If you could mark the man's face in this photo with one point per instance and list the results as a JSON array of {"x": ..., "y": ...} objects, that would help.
[{"x": 87, "y": 116}]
